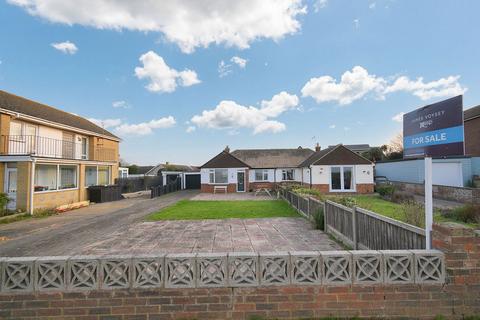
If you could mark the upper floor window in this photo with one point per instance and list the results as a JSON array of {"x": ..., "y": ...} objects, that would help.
[
  {"x": 261, "y": 175},
  {"x": 288, "y": 174},
  {"x": 218, "y": 176}
]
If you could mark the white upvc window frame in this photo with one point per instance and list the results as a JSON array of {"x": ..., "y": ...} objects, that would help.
[
  {"x": 96, "y": 180},
  {"x": 264, "y": 174},
  {"x": 284, "y": 174},
  {"x": 212, "y": 171},
  {"x": 57, "y": 186},
  {"x": 342, "y": 168}
]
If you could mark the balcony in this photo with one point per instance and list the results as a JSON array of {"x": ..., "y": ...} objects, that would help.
[{"x": 53, "y": 148}]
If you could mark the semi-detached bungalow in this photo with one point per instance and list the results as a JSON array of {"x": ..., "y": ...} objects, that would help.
[
  {"x": 333, "y": 170},
  {"x": 49, "y": 157}
]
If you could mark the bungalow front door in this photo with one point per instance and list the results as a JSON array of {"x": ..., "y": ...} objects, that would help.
[{"x": 241, "y": 181}]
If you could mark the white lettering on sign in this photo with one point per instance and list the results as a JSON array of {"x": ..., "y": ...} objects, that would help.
[
  {"x": 429, "y": 116},
  {"x": 438, "y": 137}
]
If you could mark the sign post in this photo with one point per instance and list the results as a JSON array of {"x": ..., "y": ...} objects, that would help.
[
  {"x": 435, "y": 130},
  {"x": 428, "y": 202}
]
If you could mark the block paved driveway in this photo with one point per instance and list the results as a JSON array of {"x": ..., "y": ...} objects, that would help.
[{"x": 119, "y": 228}]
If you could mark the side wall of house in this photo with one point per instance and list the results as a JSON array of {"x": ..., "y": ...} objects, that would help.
[
  {"x": 472, "y": 136},
  {"x": 363, "y": 178}
]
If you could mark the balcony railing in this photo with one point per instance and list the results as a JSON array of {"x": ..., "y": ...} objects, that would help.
[{"x": 52, "y": 148}]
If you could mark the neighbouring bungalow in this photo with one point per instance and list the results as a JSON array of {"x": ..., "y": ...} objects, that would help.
[
  {"x": 49, "y": 157},
  {"x": 332, "y": 170}
]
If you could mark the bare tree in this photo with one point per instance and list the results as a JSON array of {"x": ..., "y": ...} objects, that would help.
[{"x": 394, "y": 149}]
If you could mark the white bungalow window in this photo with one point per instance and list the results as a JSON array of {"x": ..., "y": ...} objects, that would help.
[
  {"x": 288, "y": 174},
  {"x": 218, "y": 176},
  {"x": 261, "y": 175}
]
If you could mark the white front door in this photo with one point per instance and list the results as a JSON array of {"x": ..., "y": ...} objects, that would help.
[{"x": 11, "y": 187}]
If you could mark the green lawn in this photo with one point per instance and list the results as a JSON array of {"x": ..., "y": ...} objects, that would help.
[{"x": 196, "y": 210}]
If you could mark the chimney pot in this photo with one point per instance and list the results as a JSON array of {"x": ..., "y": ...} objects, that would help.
[
  {"x": 227, "y": 149},
  {"x": 317, "y": 147}
]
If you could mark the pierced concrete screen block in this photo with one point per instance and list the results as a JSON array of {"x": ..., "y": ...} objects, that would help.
[
  {"x": 305, "y": 267},
  {"x": 367, "y": 267},
  {"x": 212, "y": 269},
  {"x": 115, "y": 272},
  {"x": 180, "y": 271},
  {"x": 337, "y": 267},
  {"x": 148, "y": 271},
  {"x": 51, "y": 273},
  {"x": 243, "y": 269},
  {"x": 17, "y": 275},
  {"x": 398, "y": 266},
  {"x": 83, "y": 273},
  {"x": 274, "y": 268},
  {"x": 429, "y": 266}
]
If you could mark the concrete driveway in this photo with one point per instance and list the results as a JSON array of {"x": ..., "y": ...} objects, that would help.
[{"x": 71, "y": 232}]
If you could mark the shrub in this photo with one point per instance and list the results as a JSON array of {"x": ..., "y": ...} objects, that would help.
[
  {"x": 468, "y": 213},
  {"x": 414, "y": 213},
  {"x": 44, "y": 212},
  {"x": 4, "y": 200},
  {"x": 346, "y": 201},
  {"x": 386, "y": 190},
  {"x": 402, "y": 196},
  {"x": 318, "y": 219}
]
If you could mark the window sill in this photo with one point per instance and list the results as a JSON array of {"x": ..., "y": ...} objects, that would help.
[{"x": 57, "y": 190}]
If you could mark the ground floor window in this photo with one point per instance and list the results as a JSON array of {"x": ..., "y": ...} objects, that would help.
[
  {"x": 341, "y": 178},
  {"x": 288, "y": 174},
  {"x": 218, "y": 176},
  {"x": 55, "y": 177},
  {"x": 90, "y": 176},
  {"x": 261, "y": 175}
]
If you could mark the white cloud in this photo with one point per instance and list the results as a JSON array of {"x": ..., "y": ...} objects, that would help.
[
  {"x": 358, "y": 83},
  {"x": 231, "y": 115},
  {"x": 332, "y": 126},
  {"x": 163, "y": 78},
  {"x": 145, "y": 128},
  {"x": 398, "y": 117},
  {"x": 106, "y": 123},
  {"x": 242, "y": 63},
  {"x": 190, "y": 129},
  {"x": 353, "y": 85},
  {"x": 319, "y": 4},
  {"x": 443, "y": 87},
  {"x": 189, "y": 24},
  {"x": 224, "y": 69},
  {"x": 120, "y": 104},
  {"x": 372, "y": 5},
  {"x": 65, "y": 47}
]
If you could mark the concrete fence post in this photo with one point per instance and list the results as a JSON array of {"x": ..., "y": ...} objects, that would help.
[
  {"x": 354, "y": 228},
  {"x": 325, "y": 220}
]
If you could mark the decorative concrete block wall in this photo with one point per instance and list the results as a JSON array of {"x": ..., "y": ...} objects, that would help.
[{"x": 236, "y": 269}]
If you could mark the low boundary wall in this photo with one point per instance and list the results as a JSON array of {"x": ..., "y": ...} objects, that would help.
[
  {"x": 458, "y": 194},
  {"x": 295, "y": 285}
]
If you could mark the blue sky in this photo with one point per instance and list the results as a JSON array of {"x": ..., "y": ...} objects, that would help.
[{"x": 160, "y": 63}]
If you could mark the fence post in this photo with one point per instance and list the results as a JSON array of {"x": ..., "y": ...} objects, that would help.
[
  {"x": 354, "y": 228},
  {"x": 325, "y": 221},
  {"x": 308, "y": 207}
]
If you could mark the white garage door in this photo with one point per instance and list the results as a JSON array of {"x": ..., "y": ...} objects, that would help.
[{"x": 447, "y": 174}]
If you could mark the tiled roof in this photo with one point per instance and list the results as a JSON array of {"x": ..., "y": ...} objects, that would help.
[
  {"x": 172, "y": 167},
  {"x": 31, "y": 108},
  {"x": 273, "y": 158},
  {"x": 337, "y": 155},
  {"x": 225, "y": 160}
]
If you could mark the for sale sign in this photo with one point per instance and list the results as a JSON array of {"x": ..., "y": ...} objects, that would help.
[{"x": 435, "y": 130}]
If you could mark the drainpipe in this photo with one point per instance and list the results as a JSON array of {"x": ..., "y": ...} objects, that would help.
[
  {"x": 310, "y": 171},
  {"x": 32, "y": 186}
]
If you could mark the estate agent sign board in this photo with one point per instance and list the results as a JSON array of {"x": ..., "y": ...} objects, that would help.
[{"x": 435, "y": 130}]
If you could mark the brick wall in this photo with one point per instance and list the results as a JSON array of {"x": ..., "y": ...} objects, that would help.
[
  {"x": 231, "y": 187},
  {"x": 361, "y": 188},
  {"x": 458, "y": 297},
  {"x": 472, "y": 133}
]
